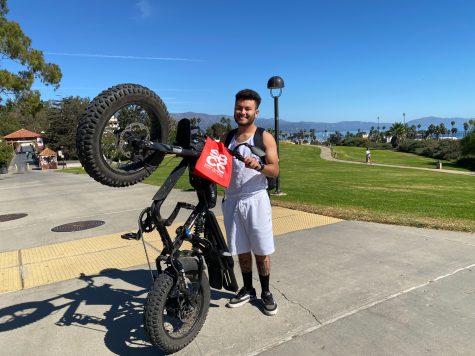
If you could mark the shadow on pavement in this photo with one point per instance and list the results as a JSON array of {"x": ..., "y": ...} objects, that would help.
[{"x": 122, "y": 321}]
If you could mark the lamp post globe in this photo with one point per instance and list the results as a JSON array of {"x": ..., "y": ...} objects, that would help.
[{"x": 276, "y": 83}]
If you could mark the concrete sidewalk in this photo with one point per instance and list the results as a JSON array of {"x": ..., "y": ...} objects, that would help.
[{"x": 343, "y": 288}]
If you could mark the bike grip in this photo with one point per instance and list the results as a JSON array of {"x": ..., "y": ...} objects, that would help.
[{"x": 236, "y": 154}]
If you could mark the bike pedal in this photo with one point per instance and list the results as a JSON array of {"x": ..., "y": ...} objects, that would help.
[{"x": 130, "y": 236}]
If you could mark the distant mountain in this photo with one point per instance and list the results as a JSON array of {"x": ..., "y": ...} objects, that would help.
[
  {"x": 426, "y": 121},
  {"x": 206, "y": 119},
  {"x": 342, "y": 126}
]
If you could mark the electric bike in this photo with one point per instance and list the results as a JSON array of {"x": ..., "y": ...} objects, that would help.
[{"x": 121, "y": 139}]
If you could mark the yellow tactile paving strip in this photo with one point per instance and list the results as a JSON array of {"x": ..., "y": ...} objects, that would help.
[{"x": 37, "y": 266}]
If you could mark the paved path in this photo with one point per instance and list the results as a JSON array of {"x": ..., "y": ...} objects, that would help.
[
  {"x": 343, "y": 288},
  {"x": 22, "y": 163},
  {"x": 325, "y": 153}
]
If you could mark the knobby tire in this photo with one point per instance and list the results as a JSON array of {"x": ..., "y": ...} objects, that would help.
[
  {"x": 154, "y": 309},
  {"x": 92, "y": 124}
]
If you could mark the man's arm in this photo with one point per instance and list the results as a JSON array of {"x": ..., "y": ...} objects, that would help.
[{"x": 271, "y": 168}]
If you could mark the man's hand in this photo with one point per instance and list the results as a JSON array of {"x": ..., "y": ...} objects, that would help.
[{"x": 252, "y": 163}]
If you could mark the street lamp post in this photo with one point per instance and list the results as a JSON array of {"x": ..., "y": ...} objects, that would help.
[
  {"x": 404, "y": 117},
  {"x": 378, "y": 124},
  {"x": 276, "y": 83}
]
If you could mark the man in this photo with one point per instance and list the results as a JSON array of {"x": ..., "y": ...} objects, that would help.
[
  {"x": 246, "y": 207},
  {"x": 368, "y": 155}
]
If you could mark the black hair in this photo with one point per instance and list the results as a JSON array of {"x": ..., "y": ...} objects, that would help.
[{"x": 249, "y": 94}]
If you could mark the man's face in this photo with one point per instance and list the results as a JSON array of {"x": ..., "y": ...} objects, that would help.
[{"x": 245, "y": 112}]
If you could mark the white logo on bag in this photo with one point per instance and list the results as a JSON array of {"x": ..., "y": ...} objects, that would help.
[{"x": 217, "y": 160}]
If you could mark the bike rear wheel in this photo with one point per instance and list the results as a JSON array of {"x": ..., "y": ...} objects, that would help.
[
  {"x": 104, "y": 133},
  {"x": 171, "y": 321}
]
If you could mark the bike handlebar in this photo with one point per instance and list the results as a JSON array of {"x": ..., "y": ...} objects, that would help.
[
  {"x": 186, "y": 152},
  {"x": 166, "y": 148}
]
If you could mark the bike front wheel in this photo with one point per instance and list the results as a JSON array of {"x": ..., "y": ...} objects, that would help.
[
  {"x": 171, "y": 319},
  {"x": 116, "y": 118}
]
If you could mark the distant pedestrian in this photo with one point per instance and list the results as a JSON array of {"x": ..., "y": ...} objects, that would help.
[{"x": 368, "y": 155}]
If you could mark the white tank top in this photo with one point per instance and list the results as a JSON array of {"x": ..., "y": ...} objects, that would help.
[{"x": 245, "y": 182}]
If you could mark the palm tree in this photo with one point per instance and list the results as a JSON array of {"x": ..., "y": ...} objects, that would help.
[
  {"x": 442, "y": 129},
  {"x": 465, "y": 128},
  {"x": 453, "y": 131},
  {"x": 411, "y": 131},
  {"x": 398, "y": 131},
  {"x": 430, "y": 130}
]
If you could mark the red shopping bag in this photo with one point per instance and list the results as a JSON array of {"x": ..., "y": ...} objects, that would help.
[{"x": 214, "y": 163}]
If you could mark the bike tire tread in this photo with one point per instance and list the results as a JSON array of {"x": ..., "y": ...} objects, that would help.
[
  {"x": 155, "y": 303},
  {"x": 92, "y": 123}
]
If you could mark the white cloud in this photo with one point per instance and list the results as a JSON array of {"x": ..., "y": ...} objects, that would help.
[
  {"x": 89, "y": 55},
  {"x": 145, "y": 8}
]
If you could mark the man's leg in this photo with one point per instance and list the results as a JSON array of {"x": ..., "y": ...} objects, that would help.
[
  {"x": 245, "y": 262},
  {"x": 263, "y": 267},
  {"x": 246, "y": 293}
]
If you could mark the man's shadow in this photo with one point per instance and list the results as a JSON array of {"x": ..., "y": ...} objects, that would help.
[{"x": 122, "y": 318}]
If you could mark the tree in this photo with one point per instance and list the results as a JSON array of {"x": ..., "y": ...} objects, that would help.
[
  {"x": 220, "y": 129},
  {"x": 6, "y": 154},
  {"x": 313, "y": 137},
  {"x": 63, "y": 120},
  {"x": 398, "y": 131},
  {"x": 9, "y": 121},
  {"x": 271, "y": 130},
  {"x": 195, "y": 121},
  {"x": 172, "y": 126},
  {"x": 465, "y": 128},
  {"x": 468, "y": 144},
  {"x": 16, "y": 46},
  {"x": 442, "y": 129},
  {"x": 412, "y": 132},
  {"x": 27, "y": 111},
  {"x": 335, "y": 138},
  {"x": 453, "y": 131},
  {"x": 430, "y": 130}
]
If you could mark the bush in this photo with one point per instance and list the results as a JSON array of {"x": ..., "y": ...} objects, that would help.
[
  {"x": 364, "y": 142},
  {"x": 467, "y": 162},
  {"x": 355, "y": 142},
  {"x": 6, "y": 153},
  {"x": 410, "y": 146},
  {"x": 438, "y": 149},
  {"x": 468, "y": 144},
  {"x": 448, "y": 150}
]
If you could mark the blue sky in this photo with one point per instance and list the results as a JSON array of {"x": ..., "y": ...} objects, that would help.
[{"x": 340, "y": 59}]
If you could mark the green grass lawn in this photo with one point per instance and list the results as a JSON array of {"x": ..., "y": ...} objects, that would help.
[
  {"x": 365, "y": 192},
  {"x": 374, "y": 193},
  {"x": 357, "y": 154},
  {"x": 157, "y": 178}
]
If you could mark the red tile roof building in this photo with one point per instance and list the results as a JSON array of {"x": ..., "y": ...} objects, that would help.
[
  {"x": 21, "y": 134},
  {"x": 47, "y": 152}
]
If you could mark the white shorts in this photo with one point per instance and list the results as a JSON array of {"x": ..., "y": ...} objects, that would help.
[{"x": 248, "y": 224}]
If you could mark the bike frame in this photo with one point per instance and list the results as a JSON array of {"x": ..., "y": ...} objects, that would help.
[{"x": 201, "y": 220}]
